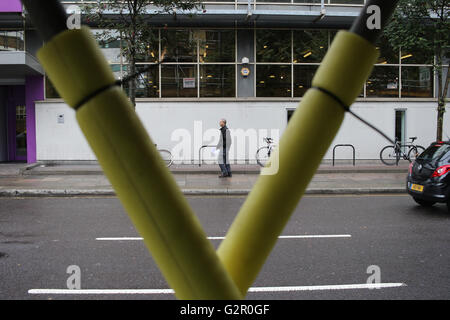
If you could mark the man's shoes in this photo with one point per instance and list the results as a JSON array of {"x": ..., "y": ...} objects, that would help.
[
  {"x": 229, "y": 175},
  {"x": 222, "y": 176}
]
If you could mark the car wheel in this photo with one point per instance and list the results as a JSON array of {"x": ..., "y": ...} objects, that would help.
[{"x": 424, "y": 203}]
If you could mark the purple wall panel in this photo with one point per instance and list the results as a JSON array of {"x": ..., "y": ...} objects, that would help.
[{"x": 10, "y": 6}]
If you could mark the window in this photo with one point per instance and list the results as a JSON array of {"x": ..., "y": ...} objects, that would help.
[
  {"x": 285, "y": 1},
  {"x": 417, "y": 82},
  {"x": 50, "y": 91},
  {"x": 400, "y": 126},
  {"x": 435, "y": 153},
  {"x": 308, "y": 1},
  {"x": 217, "y": 80},
  {"x": 273, "y": 80},
  {"x": 109, "y": 42},
  {"x": 12, "y": 40},
  {"x": 216, "y": 48},
  {"x": 151, "y": 49},
  {"x": 115, "y": 68},
  {"x": 303, "y": 75},
  {"x": 202, "y": 63},
  {"x": 387, "y": 54},
  {"x": 310, "y": 45},
  {"x": 216, "y": 45},
  {"x": 346, "y": 1},
  {"x": 273, "y": 46},
  {"x": 383, "y": 82},
  {"x": 416, "y": 56},
  {"x": 147, "y": 83},
  {"x": 178, "y": 46},
  {"x": 179, "y": 80}
]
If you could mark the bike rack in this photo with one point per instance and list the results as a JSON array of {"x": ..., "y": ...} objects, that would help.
[
  {"x": 200, "y": 153},
  {"x": 344, "y": 145}
]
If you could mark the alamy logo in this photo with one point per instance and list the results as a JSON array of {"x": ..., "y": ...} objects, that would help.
[
  {"x": 374, "y": 20},
  {"x": 74, "y": 280},
  {"x": 74, "y": 19},
  {"x": 375, "y": 276}
]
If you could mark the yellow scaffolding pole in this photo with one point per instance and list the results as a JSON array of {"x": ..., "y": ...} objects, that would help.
[
  {"x": 148, "y": 192},
  {"x": 310, "y": 132}
]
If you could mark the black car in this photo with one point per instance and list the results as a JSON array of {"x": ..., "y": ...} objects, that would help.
[{"x": 429, "y": 176}]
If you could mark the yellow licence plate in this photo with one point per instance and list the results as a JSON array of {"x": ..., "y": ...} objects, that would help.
[{"x": 417, "y": 187}]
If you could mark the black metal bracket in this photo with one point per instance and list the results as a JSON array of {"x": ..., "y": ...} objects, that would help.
[
  {"x": 344, "y": 145},
  {"x": 200, "y": 153}
]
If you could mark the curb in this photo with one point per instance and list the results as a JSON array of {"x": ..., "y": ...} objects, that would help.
[
  {"x": 30, "y": 172},
  {"x": 17, "y": 193}
]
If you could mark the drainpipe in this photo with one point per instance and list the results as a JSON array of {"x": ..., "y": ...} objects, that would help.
[{"x": 323, "y": 11}]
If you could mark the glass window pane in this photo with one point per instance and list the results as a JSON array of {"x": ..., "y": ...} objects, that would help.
[
  {"x": 273, "y": 80},
  {"x": 310, "y": 45},
  {"x": 109, "y": 42},
  {"x": 416, "y": 56},
  {"x": 21, "y": 132},
  {"x": 417, "y": 82},
  {"x": 303, "y": 75},
  {"x": 217, "y": 45},
  {"x": 147, "y": 83},
  {"x": 115, "y": 68},
  {"x": 347, "y": 1},
  {"x": 285, "y": 1},
  {"x": 11, "y": 41},
  {"x": 150, "y": 51},
  {"x": 387, "y": 54},
  {"x": 273, "y": 46},
  {"x": 217, "y": 80},
  {"x": 178, "y": 46},
  {"x": 383, "y": 82},
  {"x": 50, "y": 91},
  {"x": 179, "y": 80},
  {"x": 308, "y": 1}
]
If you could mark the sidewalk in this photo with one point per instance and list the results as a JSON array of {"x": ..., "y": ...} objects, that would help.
[{"x": 77, "y": 179}]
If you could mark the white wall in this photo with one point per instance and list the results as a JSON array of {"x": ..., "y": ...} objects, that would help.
[
  {"x": 420, "y": 123},
  {"x": 173, "y": 125},
  {"x": 59, "y": 141}
]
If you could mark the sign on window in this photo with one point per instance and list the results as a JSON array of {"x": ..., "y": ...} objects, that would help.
[{"x": 188, "y": 83}]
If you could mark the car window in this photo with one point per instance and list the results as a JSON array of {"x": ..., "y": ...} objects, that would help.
[{"x": 435, "y": 153}]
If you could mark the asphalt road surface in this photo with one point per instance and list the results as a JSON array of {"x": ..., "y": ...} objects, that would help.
[{"x": 334, "y": 244}]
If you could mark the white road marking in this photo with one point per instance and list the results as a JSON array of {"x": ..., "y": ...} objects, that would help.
[
  {"x": 221, "y": 238},
  {"x": 253, "y": 289}
]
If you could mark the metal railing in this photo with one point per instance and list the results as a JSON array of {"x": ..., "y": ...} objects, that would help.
[
  {"x": 344, "y": 145},
  {"x": 200, "y": 153}
]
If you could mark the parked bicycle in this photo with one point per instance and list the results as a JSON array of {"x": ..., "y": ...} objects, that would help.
[
  {"x": 391, "y": 155},
  {"x": 166, "y": 155},
  {"x": 263, "y": 153}
]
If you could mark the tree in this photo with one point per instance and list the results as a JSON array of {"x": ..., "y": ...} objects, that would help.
[
  {"x": 424, "y": 24},
  {"x": 129, "y": 21}
]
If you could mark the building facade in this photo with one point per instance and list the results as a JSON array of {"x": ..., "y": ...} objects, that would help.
[{"x": 247, "y": 61}]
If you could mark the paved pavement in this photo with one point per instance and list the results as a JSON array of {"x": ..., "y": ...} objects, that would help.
[
  {"x": 339, "y": 243},
  {"x": 87, "y": 179}
]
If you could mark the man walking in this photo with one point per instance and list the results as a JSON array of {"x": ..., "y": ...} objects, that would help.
[{"x": 224, "y": 147}]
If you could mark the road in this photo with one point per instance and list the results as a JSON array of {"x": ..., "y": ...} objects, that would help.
[{"x": 407, "y": 244}]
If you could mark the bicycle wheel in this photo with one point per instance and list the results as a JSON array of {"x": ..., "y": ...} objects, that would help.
[
  {"x": 262, "y": 156},
  {"x": 414, "y": 152},
  {"x": 166, "y": 156},
  {"x": 389, "y": 156}
]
